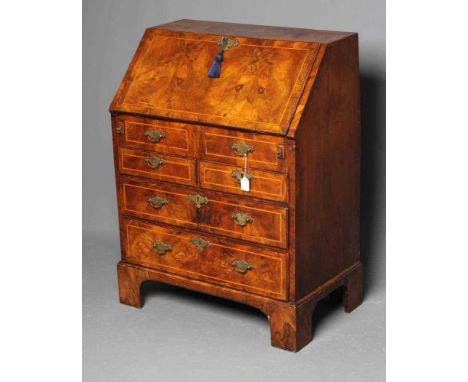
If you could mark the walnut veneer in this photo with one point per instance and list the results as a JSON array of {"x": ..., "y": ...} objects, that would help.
[{"x": 290, "y": 98}]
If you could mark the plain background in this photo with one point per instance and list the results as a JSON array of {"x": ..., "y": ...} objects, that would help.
[{"x": 184, "y": 336}]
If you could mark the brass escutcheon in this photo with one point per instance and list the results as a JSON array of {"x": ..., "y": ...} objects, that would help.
[
  {"x": 157, "y": 202},
  {"x": 242, "y": 148},
  {"x": 241, "y": 218},
  {"x": 226, "y": 43},
  {"x": 237, "y": 175},
  {"x": 154, "y": 135},
  {"x": 280, "y": 151},
  {"x": 200, "y": 243},
  {"x": 154, "y": 162},
  {"x": 199, "y": 200},
  {"x": 241, "y": 266},
  {"x": 161, "y": 247}
]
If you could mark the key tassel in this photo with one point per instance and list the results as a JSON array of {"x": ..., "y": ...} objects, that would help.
[
  {"x": 215, "y": 69},
  {"x": 224, "y": 44}
]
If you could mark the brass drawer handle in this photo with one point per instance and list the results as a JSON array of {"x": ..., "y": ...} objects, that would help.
[
  {"x": 161, "y": 247},
  {"x": 242, "y": 148},
  {"x": 200, "y": 243},
  {"x": 154, "y": 162},
  {"x": 154, "y": 135},
  {"x": 157, "y": 202},
  {"x": 198, "y": 200},
  {"x": 241, "y": 266},
  {"x": 237, "y": 175},
  {"x": 241, "y": 218}
]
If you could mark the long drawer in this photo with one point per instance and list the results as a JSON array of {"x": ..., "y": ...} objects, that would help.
[
  {"x": 208, "y": 211},
  {"x": 206, "y": 258}
]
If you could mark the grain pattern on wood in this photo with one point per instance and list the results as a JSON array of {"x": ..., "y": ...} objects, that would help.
[
  {"x": 258, "y": 89},
  {"x": 157, "y": 135},
  {"x": 217, "y": 145},
  {"x": 263, "y": 184},
  {"x": 268, "y": 222},
  {"x": 207, "y": 258},
  {"x": 291, "y": 325},
  {"x": 149, "y": 164}
]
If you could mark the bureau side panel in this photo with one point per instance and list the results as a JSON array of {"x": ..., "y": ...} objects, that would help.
[{"x": 328, "y": 171}]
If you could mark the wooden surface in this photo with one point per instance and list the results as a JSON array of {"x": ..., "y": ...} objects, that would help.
[
  {"x": 174, "y": 169},
  {"x": 328, "y": 171},
  {"x": 255, "y": 31},
  {"x": 269, "y": 223},
  {"x": 178, "y": 138},
  {"x": 216, "y": 145},
  {"x": 302, "y": 239},
  {"x": 212, "y": 264},
  {"x": 264, "y": 184},
  {"x": 260, "y": 84}
]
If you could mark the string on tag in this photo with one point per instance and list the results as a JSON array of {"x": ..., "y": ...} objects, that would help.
[{"x": 244, "y": 182}]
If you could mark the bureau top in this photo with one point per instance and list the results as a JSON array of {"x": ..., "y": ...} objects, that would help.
[{"x": 257, "y": 79}]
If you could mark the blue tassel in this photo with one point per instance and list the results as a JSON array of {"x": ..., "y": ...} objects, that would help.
[{"x": 215, "y": 69}]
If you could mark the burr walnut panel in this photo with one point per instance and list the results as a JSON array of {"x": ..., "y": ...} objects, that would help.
[
  {"x": 227, "y": 216},
  {"x": 153, "y": 165},
  {"x": 263, "y": 184},
  {"x": 140, "y": 200},
  {"x": 161, "y": 136},
  {"x": 259, "y": 87},
  {"x": 217, "y": 261},
  {"x": 264, "y": 152}
]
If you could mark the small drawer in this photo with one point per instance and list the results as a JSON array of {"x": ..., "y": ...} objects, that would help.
[
  {"x": 263, "y": 184},
  {"x": 204, "y": 257},
  {"x": 156, "y": 166},
  {"x": 263, "y": 152},
  {"x": 209, "y": 212},
  {"x": 161, "y": 136}
]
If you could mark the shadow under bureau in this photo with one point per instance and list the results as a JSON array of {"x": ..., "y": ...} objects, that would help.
[{"x": 237, "y": 157}]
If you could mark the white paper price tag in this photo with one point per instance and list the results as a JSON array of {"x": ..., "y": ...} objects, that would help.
[{"x": 245, "y": 184}]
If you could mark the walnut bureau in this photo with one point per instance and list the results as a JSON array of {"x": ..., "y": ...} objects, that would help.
[{"x": 237, "y": 159}]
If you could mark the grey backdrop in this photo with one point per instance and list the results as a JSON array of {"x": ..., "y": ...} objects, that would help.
[{"x": 185, "y": 336}]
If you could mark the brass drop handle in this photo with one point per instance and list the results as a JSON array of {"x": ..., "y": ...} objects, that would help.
[
  {"x": 200, "y": 243},
  {"x": 198, "y": 200},
  {"x": 154, "y": 162},
  {"x": 242, "y": 149},
  {"x": 154, "y": 135},
  {"x": 157, "y": 202},
  {"x": 161, "y": 247},
  {"x": 237, "y": 175},
  {"x": 241, "y": 218},
  {"x": 241, "y": 266}
]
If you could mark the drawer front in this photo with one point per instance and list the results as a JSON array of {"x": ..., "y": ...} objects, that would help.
[
  {"x": 161, "y": 136},
  {"x": 263, "y": 184},
  {"x": 246, "y": 220},
  {"x": 156, "y": 166},
  {"x": 161, "y": 203},
  {"x": 263, "y": 152},
  {"x": 206, "y": 258}
]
